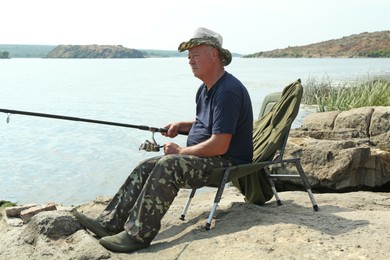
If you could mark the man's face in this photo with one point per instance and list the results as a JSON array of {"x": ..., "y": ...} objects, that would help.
[{"x": 201, "y": 60}]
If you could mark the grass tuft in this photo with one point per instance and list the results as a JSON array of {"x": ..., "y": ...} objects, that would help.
[{"x": 330, "y": 96}]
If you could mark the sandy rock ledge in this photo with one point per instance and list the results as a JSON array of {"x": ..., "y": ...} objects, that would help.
[{"x": 348, "y": 226}]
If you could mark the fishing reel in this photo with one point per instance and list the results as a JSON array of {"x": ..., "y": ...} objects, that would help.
[{"x": 150, "y": 146}]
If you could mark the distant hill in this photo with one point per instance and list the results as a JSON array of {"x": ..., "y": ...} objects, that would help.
[
  {"x": 26, "y": 51},
  {"x": 162, "y": 53},
  {"x": 171, "y": 53},
  {"x": 375, "y": 44},
  {"x": 42, "y": 51},
  {"x": 93, "y": 52}
]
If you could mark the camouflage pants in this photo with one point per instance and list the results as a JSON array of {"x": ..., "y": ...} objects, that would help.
[{"x": 150, "y": 189}]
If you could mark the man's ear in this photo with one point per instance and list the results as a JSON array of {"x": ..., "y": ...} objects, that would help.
[{"x": 215, "y": 54}]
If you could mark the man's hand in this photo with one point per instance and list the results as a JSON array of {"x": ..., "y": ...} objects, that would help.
[
  {"x": 171, "y": 148},
  {"x": 175, "y": 128},
  {"x": 214, "y": 146},
  {"x": 172, "y": 129}
]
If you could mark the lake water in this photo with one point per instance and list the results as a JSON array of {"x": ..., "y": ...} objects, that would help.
[{"x": 43, "y": 160}]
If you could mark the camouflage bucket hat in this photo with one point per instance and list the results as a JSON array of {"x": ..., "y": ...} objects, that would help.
[{"x": 205, "y": 36}]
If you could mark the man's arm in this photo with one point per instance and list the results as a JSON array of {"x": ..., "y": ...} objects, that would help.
[{"x": 217, "y": 144}]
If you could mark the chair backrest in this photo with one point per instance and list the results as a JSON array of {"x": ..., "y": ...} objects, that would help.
[
  {"x": 269, "y": 136},
  {"x": 270, "y": 131},
  {"x": 268, "y": 103}
]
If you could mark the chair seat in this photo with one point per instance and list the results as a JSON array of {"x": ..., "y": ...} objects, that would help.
[{"x": 236, "y": 172}]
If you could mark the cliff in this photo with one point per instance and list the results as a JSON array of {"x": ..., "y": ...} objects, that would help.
[
  {"x": 93, "y": 52},
  {"x": 375, "y": 44}
]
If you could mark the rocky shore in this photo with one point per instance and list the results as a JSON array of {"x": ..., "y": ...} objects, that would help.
[
  {"x": 343, "y": 151},
  {"x": 347, "y": 226}
]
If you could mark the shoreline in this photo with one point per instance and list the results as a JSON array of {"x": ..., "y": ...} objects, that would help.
[{"x": 348, "y": 225}]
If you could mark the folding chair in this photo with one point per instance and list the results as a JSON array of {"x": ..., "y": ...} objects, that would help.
[{"x": 270, "y": 135}]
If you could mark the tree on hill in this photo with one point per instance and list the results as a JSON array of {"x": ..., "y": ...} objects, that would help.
[{"x": 4, "y": 55}]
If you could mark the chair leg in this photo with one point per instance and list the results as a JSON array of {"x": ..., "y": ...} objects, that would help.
[
  {"x": 306, "y": 183},
  {"x": 183, "y": 214},
  {"x": 278, "y": 201},
  {"x": 217, "y": 198}
]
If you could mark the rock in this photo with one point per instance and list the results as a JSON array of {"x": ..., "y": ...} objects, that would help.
[
  {"x": 50, "y": 235},
  {"x": 85, "y": 246},
  {"x": 380, "y": 121},
  {"x": 51, "y": 224},
  {"x": 342, "y": 151},
  {"x": 15, "y": 211},
  {"x": 28, "y": 213},
  {"x": 357, "y": 121},
  {"x": 318, "y": 121}
]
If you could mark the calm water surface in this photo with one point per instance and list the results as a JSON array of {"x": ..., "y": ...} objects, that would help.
[{"x": 44, "y": 160}]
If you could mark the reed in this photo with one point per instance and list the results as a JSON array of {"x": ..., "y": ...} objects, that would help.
[{"x": 329, "y": 96}]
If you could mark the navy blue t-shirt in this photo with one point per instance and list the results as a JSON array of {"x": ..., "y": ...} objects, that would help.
[{"x": 225, "y": 109}]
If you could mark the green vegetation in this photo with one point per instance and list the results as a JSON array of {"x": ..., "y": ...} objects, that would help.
[
  {"x": 4, "y": 204},
  {"x": 4, "y": 55},
  {"x": 376, "y": 54},
  {"x": 347, "y": 95}
]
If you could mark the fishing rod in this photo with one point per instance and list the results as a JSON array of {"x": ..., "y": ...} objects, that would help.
[{"x": 147, "y": 145}]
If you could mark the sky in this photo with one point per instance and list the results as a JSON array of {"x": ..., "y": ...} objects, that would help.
[{"x": 247, "y": 26}]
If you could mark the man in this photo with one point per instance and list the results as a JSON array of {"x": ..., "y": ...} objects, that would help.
[{"x": 220, "y": 135}]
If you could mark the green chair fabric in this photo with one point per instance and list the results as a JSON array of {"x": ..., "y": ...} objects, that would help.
[
  {"x": 268, "y": 103},
  {"x": 269, "y": 135}
]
